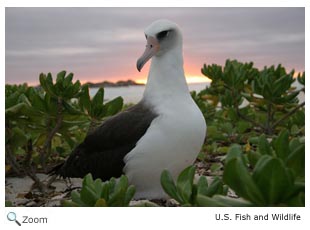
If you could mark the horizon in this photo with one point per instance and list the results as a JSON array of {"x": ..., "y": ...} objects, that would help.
[
  {"x": 142, "y": 82},
  {"x": 103, "y": 44}
]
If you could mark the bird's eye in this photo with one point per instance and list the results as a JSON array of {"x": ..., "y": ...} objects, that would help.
[
  {"x": 145, "y": 36},
  {"x": 162, "y": 34}
]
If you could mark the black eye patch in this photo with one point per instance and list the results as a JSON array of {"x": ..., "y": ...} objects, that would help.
[{"x": 163, "y": 34}]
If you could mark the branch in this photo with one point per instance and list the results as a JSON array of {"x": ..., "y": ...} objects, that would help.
[
  {"x": 37, "y": 183},
  {"x": 28, "y": 149},
  {"x": 249, "y": 119},
  {"x": 9, "y": 157},
  {"x": 288, "y": 114},
  {"x": 28, "y": 168},
  {"x": 48, "y": 142}
]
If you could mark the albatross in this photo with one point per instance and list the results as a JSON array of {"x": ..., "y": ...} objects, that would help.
[{"x": 165, "y": 130}]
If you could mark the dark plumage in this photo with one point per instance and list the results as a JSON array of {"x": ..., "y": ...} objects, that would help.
[{"x": 103, "y": 150}]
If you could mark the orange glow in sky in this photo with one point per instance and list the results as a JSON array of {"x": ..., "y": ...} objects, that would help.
[
  {"x": 191, "y": 68},
  {"x": 190, "y": 79},
  {"x": 192, "y": 72}
]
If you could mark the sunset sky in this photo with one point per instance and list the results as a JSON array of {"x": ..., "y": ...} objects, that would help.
[{"x": 98, "y": 44}]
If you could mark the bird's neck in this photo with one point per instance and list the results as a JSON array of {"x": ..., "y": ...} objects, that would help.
[{"x": 166, "y": 79}]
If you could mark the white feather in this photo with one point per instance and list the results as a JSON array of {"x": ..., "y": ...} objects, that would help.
[{"x": 175, "y": 137}]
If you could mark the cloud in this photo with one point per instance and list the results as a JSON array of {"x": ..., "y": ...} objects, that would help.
[{"x": 106, "y": 42}]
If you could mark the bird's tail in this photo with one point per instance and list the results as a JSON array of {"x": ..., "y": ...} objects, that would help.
[{"x": 56, "y": 170}]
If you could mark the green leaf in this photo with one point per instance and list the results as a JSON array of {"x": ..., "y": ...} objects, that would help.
[
  {"x": 68, "y": 80},
  {"x": 297, "y": 200},
  {"x": 98, "y": 98},
  {"x": 232, "y": 114},
  {"x": 129, "y": 195},
  {"x": 243, "y": 126},
  {"x": 272, "y": 178},
  {"x": 253, "y": 157},
  {"x": 67, "y": 203},
  {"x": 215, "y": 187},
  {"x": 19, "y": 137},
  {"x": 295, "y": 130},
  {"x": 97, "y": 107},
  {"x": 264, "y": 146},
  {"x": 296, "y": 160},
  {"x": 37, "y": 101},
  {"x": 185, "y": 183},
  {"x": 169, "y": 186},
  {"x": 112, "y": 184},
  {"x": 88, "y": 196},
  {"x": 88, "y": 180},
  {"x": 118, "y": 196},
  {"x": 215, "y": 167},
  {"x": 237, "y": 177},
  {"x": 234, "y": 151},
  {"x": 105, "y": 191},
  {"x": 84, "y": 99},
  {"x": 254, "y": 140},
  {"x": 13, "y": 110},
  {"x": 281, "y": 145},
  {"x": 49, "y": 86},
  {"x": 60, "y": 77},
  {"x": 75, "y": 90},
  {"x": 213, "y": 132},
  {"x": 98, "y": 186},
  {"x": 75, "y": 196},
  {"x": 70, "y": 109},
  {"x": 221, "y": 201},
  {"x": 202, "y": 186},
  {"x": 42, "y": 79},
  {"x": 114, "y": 106}
]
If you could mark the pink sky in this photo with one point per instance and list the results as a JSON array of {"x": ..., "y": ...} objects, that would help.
[{"x": 98, "y": 44}]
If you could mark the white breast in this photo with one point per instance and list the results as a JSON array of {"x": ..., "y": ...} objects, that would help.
[{"x": 172, "y": 142}]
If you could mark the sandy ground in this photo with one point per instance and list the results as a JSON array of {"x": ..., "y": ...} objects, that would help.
[{"x": 19, "y": 191}]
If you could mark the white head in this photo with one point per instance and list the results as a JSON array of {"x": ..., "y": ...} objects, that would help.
[{"x": 161, "y": 36}]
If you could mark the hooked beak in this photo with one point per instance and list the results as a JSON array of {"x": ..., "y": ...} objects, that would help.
[{"x": 152, "y": 47}]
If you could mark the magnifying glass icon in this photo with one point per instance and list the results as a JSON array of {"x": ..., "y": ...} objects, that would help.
[{"x": 12, "y": 217}]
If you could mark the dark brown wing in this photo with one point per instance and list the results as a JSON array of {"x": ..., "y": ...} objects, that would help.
[{"x": 102, "y": 151}]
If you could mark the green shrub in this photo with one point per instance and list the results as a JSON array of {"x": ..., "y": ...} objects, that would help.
[
  {"x": 278, "y": 174},
  {"x": 44, "y": 123},
  {"x": 186, "y": 191},
  {"x": 264, "y": 98},
  {"x": 95, "y": 193}
]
